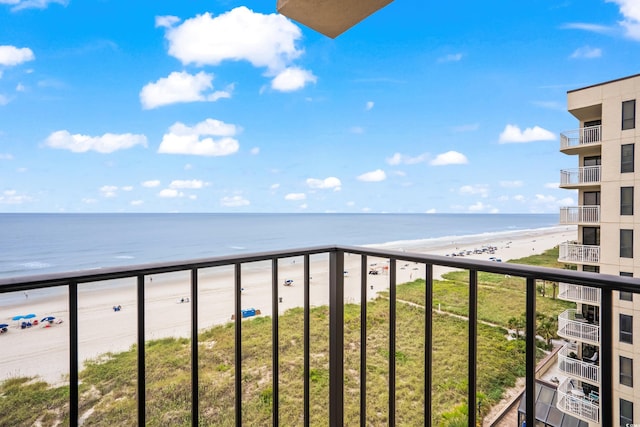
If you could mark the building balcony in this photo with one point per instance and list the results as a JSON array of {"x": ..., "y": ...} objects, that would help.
[
  {"x": 573, "y": 326},
  {"x": 584, "y": 370},
  {"x": 579, "y": 254},
  {"x": 577, "y": 215},
  {"x": 343, "y": 343},
  {"x": 573, "y": 400},
  {"x": 573, "y": 140},
  {"x": 579, "y": 294},
  {"x": 586, "y": 176}
]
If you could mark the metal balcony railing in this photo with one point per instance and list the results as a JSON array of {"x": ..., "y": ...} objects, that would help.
[
  {"x": 582, "y": 175},
  {"x": 580, "y": 215},
  {"x": 74, "y": 281},
  {"x": 569, "y": 363},
  {"x": 574, "y": 401},
  {"x": 576, "y": 253},
  {"x": 575, "y": 327},
  {"x": 582, "y": 136},
  {"x": 578, "y": 293}
]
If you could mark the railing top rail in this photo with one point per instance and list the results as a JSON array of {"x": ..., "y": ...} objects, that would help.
[{"x": 596, "y": 280}]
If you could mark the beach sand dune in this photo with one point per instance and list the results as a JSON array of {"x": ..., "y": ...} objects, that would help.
[{"x": 43, "y": 352}]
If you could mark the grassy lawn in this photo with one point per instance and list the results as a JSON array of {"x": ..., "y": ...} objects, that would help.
[{"x": 108, "y": 386}]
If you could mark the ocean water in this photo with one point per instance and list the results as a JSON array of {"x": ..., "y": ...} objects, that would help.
[{"x": 47, "y": 243}]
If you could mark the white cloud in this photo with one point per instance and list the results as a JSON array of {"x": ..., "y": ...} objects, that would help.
[
  {"x": 274, "y": 186},
  {"x": 108, "y": 190},
  {"x": 166, "y": 21},
  {"x": 398, "y": 158},
  {"x": 127, "y": 188},
  {"x": 32, "y": 4},
  {"x": 180, "y": 87},
  {"x": 183, "y": 139},
  {"x": 89, "y": 201},
  {"x": 452, "y": 57},
  {"x": 266, "y": 41},
  {"x": 630, "y": 10},
  {"x": 477, "y": 207},
  {"x": 188, "y": 167},
  {"x": 170, "y": 193},
  {"x": 11, "y": 197},
  {"x": 373, "y": 176},
  {"x": 292, "y": 79},
  {"x": 470, "y": 127},
  {"x": 295, "y": 196},
  {"x": 6, "y": 156},
  {"x": 255, "y": 151},
  {"x": 594, "y": 28},
  {"x": 586, "y": 52},
  {"x": 151, "y": 183},
  {"x": 193, "y": 184},
  {"x": 11, "y": 55},
  {"x": 512, "y": 133},
  {"x": 4, "y": 100},
  {"x": 519, "y": 198},
  {"x": 430, "y": 211},
  {"x": 136, "y": 202},
  {"x": 511, "y": 184},
  {"x": 369, "y": 105},
  {"x": 107, "y": 143},
  {"x": 449, "y": 158},
  {"x": 234, "y": 201},
  {"x": 479, "y": 189},
  {"x": 330, "y": 182}
]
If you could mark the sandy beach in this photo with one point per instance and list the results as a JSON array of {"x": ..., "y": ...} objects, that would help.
[{"x": 43, "y": 351}]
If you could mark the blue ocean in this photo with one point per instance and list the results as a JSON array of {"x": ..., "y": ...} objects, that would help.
[{"x": 47, "y": 243}]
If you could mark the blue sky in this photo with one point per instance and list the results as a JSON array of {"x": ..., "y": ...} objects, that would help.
[{"x": 225, "y": 106}]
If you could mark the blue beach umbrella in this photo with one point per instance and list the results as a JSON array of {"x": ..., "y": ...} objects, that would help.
[
  {"x": 48, "y": 319},
  {"x": 18, "y": 317},
  {"x": 29, "y": 316},
  {"x": 3, "y": 325}
]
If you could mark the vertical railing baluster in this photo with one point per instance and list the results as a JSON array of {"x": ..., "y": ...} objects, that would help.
[
  {"x": 275, "y": 337},
  {"x": 473, "y": 347},
  {"x": 530, "y": 380},
  {"x": 307, "y": 339},
  {"x": 73, "y": 353},
  {"x": 428, "y": 343},
  {"x": 336, "y": 338},
  {"x": 606, "y": 358},
  {"x": 363, "y": 340},
  {"x": 195, "y": 395},
  {"x": 392, "y": 342},
  {"x": 238, "y": 342},
  {"x": 142, "y": 382}
]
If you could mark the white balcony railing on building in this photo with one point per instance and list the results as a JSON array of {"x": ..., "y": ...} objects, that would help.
[
  {"x": 582, "y": 136},
  {"x": 573, "y": 401},
  {"x": 578, "y": 293},
  {"x": 582, "y": 175},
  {"x": 580, "y": 215},
  {"x": 569, "y": 363},
  {"x": 576, "y": 328},
  {"x": 574, "y": 252}
]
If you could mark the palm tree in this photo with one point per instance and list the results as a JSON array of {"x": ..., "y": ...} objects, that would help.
[{"x": 547, "y": 328}]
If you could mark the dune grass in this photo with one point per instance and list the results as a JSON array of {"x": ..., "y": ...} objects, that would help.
[{"x": 108, "y": 384}]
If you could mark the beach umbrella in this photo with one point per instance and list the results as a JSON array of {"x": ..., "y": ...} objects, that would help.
[
  {"x": 18, "y": 317},
  {"x": 48, "y": 319},
  {"x": 3, "y": 325},
  {"x": 29, "y": 316}
]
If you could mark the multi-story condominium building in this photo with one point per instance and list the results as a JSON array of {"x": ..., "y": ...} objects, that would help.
[{"x": 607, "y": 220}]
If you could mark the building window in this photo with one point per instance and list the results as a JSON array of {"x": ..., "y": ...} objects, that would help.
[
  {"x": 591, "y": 198},
  {"x": 626, "y": 201},
  {"x": 591, "y": 268},
  {"x": 626, "y": 162},
  {"x": 626, "y": 243},
  {"x": 626, "y": 371},
  {"x": 626, "y": 296},
  {"x": 591, "y": 236},
  {"x": 626, "y": 412},
  {"x": 629, "y": 114},
  {"x": 626, "y": 328}
]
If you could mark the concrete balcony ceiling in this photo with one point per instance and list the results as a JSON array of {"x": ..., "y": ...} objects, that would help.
[{"x": 329, "y": 17}]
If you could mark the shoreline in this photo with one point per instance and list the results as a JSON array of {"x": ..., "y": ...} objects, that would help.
[{"x": 43, "y": 352}]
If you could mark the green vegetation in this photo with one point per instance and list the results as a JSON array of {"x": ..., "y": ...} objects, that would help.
[{"x": 108, "y": 384}]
